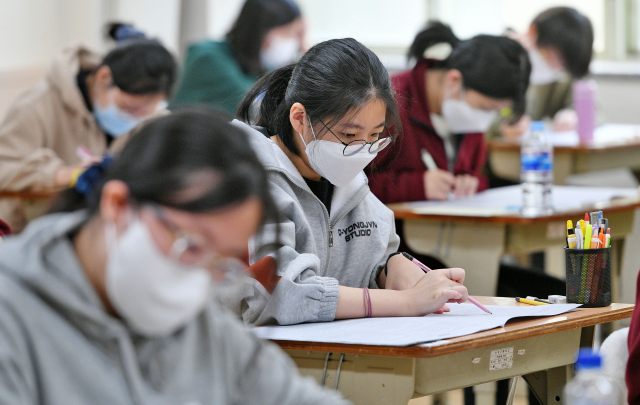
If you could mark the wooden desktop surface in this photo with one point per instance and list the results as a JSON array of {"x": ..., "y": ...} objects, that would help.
[
  {"x": 514, "y": 145},
  {"x": 516, "y": 329},
  {"x": 403, "y": 211},
  {"x": 30, "y": 195}
]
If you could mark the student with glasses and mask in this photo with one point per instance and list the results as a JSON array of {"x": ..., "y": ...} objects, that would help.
[
  {"x": 447, "y": 102},
  {"x": 86, "y": 103},
  {"x": 110, "y": 303},
  {"x": 320, "y": 122}
]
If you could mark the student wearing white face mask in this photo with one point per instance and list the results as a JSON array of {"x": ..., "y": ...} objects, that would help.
[
  {"x": 320, "y": 122},
  {"x": 110, "y": 305},
  {"x": 267, "y": 35},
  {"x": 560, "y": 46},
  {"x": 447, "y": 101},
  {"x": 85, "y": 102}
]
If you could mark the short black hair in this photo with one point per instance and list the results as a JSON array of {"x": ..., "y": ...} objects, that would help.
[
  {"x": 139, "y": 65},
  {"x": 494, "y": 66},
  {"x": 569, "y": 32},
  {"x": 256, "y": 18},
  {"x": 333, "y": 78}
]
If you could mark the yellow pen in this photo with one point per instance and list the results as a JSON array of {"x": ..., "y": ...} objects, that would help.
[
  {"x": 587, "y": 237},
  {"x": 530, "y": 302},
  {"x": 569, "y": 226}
]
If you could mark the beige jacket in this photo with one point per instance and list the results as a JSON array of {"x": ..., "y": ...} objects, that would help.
[{"x": 43, "y": 129}]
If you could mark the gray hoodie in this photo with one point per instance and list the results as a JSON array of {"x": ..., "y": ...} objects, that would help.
[
  {"x": 58, "y": 345},
  {"x": 349, "y": 247}
]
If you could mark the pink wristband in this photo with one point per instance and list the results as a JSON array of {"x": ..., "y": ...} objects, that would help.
[{"x": 367, "y": 304}]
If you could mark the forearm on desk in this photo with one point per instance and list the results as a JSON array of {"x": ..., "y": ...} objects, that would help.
[{"x": 351, "y": 303}]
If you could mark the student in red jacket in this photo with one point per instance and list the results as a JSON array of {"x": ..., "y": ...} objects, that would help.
[
  {"x": 633, "y": 364},
  {"x": 447, "y": 101}
]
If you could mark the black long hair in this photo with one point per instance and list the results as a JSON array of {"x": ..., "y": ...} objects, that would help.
[
  {"x": 569, "y": 32},
  {"x": 333, "y": 78},
  {"x": 192, "y": 149},
  {"x": 256, "y": 18},
  {"x": 494, "y": 66},
  {"x": 139, "y": 65}
]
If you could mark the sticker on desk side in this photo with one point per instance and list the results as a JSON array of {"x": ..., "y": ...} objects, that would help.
[
  {"x": 521, "y": 352},
  {"x": 476, "y": 360},
  {"x": 501, "y": 359}
]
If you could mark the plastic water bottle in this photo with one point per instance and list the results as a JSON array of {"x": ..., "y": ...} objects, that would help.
[
  {"x": 536, "y": 171},
  {"x": 589, "y": 386},
  {"x": 584, "y": 102}
]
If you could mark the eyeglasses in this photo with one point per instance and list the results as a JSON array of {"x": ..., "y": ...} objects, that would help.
[
  {"x": 356, "y": 146},
  {"x": 193, "y": 249},
  {"x": 187, "y": 247}
]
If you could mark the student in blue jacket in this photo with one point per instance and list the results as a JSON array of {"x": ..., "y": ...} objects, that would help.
[{"x": 320, "y": 122}]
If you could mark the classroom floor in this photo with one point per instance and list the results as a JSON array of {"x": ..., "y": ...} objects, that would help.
[{"x": 456, "y": 397}]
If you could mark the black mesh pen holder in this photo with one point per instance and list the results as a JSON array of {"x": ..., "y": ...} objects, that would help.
[{"x": 589, "y": 276}]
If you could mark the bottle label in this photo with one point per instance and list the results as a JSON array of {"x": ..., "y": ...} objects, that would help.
[{"x": 541, "y": 162}]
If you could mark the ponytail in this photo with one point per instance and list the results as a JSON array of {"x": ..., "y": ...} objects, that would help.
[
  {"x": 497, "y": 67},
  {"x": 435, "y": 42},
  {"x": 269, "y": 91}
]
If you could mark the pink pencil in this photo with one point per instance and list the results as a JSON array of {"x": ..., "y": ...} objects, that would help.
[{"x": 426, "y": 269}]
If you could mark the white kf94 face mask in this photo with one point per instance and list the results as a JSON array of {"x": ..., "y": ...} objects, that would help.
[
  {"x": 462, "y": 118},
  {"x": 281, "y": 52},
  {"x": 154, "y": 294},
  {"x": 328, "y": 160}
]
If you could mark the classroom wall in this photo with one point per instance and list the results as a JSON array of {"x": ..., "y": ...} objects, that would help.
[
  {"x": 619, "y": 98},
  {"x": 31, "y": 31}
]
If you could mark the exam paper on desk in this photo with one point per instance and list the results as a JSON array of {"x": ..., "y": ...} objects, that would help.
[
  {"x": 508, "y": 200},
  {"x": 464, "y": 319}
]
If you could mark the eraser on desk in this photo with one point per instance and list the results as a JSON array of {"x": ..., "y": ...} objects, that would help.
[{"x": 558, "y": 299}]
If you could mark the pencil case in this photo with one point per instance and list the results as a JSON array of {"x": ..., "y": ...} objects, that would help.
[{"x": 589, "y": 276}]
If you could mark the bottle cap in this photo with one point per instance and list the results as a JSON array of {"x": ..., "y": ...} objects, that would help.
[
  {"x": 584, "y": 89},
  {"x": 537, "y": 126},
  {"x": 587, "y": 359}
]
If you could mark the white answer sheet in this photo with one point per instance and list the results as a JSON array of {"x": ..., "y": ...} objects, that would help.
[
  {"x": 508, "y": 201},
  {"x": 464, "y": 319}
]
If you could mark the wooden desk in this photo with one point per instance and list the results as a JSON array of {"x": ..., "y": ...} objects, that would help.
[
  {"x": 30, "y": 195},
  {"x": 543, "y": 352},
  {"x": 476, "y": 243},
  {"x": 31, "y": 204},
  {"x": 504, "y": 158}
]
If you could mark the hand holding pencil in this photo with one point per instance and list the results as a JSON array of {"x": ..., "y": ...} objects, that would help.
[{"x": 459, "y": 280}]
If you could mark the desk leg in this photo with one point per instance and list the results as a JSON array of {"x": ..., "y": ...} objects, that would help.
[
  {"x": 547, "y": 385},
  {"x": 473, "y": 246}
]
